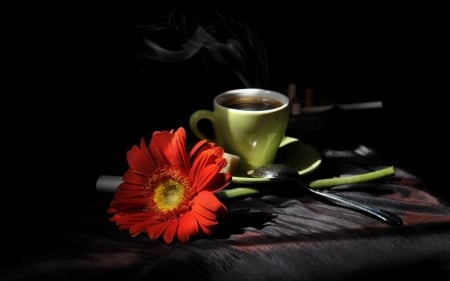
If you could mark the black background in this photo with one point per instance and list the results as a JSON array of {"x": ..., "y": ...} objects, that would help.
[{"x": 78, "y": 93}]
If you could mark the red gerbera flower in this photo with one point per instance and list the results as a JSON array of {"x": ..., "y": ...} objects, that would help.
[{"x": 168, "y": 192}]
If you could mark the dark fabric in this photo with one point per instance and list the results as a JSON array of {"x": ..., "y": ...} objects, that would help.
[{"x": 281, "y": 234}]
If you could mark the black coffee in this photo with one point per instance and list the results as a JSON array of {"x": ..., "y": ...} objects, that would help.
[{"x": 252, "y": 103}]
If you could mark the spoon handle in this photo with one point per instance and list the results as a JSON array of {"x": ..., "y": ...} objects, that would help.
[{"x": 383, "y": 215}]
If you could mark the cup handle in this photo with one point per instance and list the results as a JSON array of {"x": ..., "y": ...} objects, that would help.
[{"x": 196, "y": 117}]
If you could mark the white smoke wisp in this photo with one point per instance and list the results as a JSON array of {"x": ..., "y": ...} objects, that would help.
[{"x": 233, "y": 46}]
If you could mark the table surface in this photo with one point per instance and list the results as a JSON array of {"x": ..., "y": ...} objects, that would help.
[{"x": 279, "y": 234}]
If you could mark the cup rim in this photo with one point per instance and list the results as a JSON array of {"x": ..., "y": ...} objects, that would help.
[{"x": 250, "y": 92}]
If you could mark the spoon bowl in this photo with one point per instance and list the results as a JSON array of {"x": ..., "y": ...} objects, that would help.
[{"x": 287, "y": 173}]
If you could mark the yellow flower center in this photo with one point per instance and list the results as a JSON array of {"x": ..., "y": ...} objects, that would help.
[
  {"x": 168, "y": 195},
  {"x": 169, "y": 192}
]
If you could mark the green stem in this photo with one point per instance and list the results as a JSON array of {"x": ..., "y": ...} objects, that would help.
[
  {"x": 330, "y": 182},
  {"x": 237, "y": 192},
  {"x": 316, "y": 184}
]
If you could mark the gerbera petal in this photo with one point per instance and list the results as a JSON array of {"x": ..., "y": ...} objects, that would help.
[
  {"x": 202, "y": 177},
  {"x": 199, "y": 147},
  {"x": 134, "y": 177},
  {"x": 208, "y": 157},
  {"x": 125, "y": 187},
  {"x": 218, "y": 182},
  {"x": 129, "y": 204},
  {"x": 156, "y": 230},
  {"x": 208, "y": 201},
  {"x": 199, "y": 210},
  {"x": 180, "y": 156},
  {"x": 221, "y": 162},
  {"x": 205, "y": 224},
  {"x": 159, "y": 145},
  {"x": 138, "y": 228},
  {"x": 139, "y": 159},
  {"x": 170, "y": 232},
  {"x": 209, "y": 178},
  {"x": 206, "y": 219},
  {"x": 170, "y": 147},
  {"x": 128, "y": 219},
  {"x": 206, "y": 230},
  {"x": 187, "y": 227},
  {"x": 124, "y": 194}
]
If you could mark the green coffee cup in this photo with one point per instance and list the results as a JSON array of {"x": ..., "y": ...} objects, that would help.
[{"x": 249, "y": 123}]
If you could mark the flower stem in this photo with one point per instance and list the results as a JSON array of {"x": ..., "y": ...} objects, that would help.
[
  {"x": 374, "y": 175},
  {"x": 237, "y": 192},
  {"x": 316, "y": 184}
]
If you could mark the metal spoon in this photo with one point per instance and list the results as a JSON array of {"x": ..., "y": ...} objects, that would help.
[{"x": 284, "y": 172}]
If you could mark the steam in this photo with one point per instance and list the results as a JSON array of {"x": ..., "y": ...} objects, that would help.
[{"x": 229, "y": 43}]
